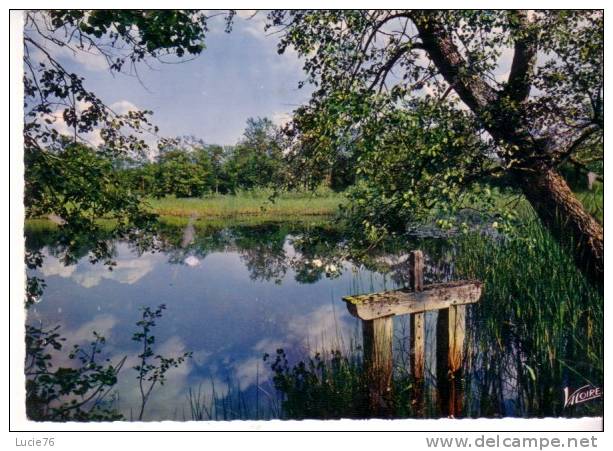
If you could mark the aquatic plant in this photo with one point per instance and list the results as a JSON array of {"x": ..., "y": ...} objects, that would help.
[
  {"x": 152, "y": 368},
  {"x": 68, "y": 393}
]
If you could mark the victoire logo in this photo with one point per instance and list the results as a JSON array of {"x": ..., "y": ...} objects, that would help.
[{"x": 581, "y": 395}]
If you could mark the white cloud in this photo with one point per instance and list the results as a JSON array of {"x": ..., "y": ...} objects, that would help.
[
  {"x": 59, "y": 124},
  {"x": 123, "y": 107},
  {"x": 101, "y": 324},
  {"x": 250, "y": 371},
  {"x": 125, "y": 272},
  {"x": 54, "y": 267},
  {"x": 319, "y": 330},
  {"x": 165, "y": 399},
  {"x": 268, "y": 345},
  {"x": 281, "y": 118},
  {"x": 253, "y": 22}
]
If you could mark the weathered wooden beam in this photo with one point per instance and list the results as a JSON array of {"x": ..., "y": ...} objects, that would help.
[
  {"x": 417, "y": 343},
  {"x": 450, "y": 334},
  {"x": 416, "y": 270},
  {"x": 406, "y": 300},
  {"x": 457, "y": 332},
  {"x": 417, "y": 337},
  {"x": 378, "y": 364}
]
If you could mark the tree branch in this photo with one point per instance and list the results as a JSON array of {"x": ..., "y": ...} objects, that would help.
[
  {"x": 381, "y": 74},
  {"x": 524, "y": 57},
  {"x": 563, "y": 156},
  {"x": 471, "y": 88}
]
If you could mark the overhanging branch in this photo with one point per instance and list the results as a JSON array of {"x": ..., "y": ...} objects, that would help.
[
  {"x": 586, "y": 134},
  {"x": 524, "y": 57}
]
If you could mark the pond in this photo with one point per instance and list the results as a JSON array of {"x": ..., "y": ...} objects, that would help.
[{"x": 232, "y": 294}]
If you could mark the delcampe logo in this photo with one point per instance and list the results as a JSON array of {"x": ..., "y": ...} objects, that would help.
[{"x": 581, "y": 395}]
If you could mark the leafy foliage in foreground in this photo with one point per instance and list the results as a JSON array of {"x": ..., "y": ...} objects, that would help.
[
  {"x": 65, "y": 176},
  {"x": 415, "y": 97},
  {"x": 152, "y": 368},
  {"x": 80, "y": 390},
  {"x": 67, "y": 393}
]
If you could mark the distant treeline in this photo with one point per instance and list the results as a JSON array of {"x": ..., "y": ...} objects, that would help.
[{"x": 189, "y": 167}]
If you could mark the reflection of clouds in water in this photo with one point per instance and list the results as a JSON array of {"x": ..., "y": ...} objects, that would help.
[
  {"x": 192, "y": 261},
  {"x": 251, "y": 371},
  {"x": 301, "y": 329},
  {"x": 165, "y": 399},
  {"x": 83, "y": 336},
  {"x": 101, "y": 324},
  {"x": 268, "y": 345},
  {"x": 320, "y": 330},
  {"x": 201, "y": 357},
  {"x": 126, "y": 271},
  {"x": 54, "y": 267}
]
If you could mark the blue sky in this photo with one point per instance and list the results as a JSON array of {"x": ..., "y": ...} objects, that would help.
[{"x": 239, "y": 75}]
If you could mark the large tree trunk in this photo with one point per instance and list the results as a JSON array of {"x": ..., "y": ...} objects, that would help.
[
  {"x": 554, "y": 202},
  {"x": 566, "y": 218}
]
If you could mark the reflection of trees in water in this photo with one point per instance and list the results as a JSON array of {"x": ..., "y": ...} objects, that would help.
[
  {"x": 265, "y": 264},
  {"x": 318, "y": 251},
  {"x": 501, "y": 356}
]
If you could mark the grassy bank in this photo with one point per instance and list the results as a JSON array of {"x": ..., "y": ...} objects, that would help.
[{"x": 254, "y": 203}]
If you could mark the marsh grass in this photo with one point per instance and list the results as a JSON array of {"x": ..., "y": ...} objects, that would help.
[
  {"x": 594, "y": 201},
  {"x": 259, "y": 203},
  {"x": 537, "y": 328},
  {"x": 206, "y": 402}
]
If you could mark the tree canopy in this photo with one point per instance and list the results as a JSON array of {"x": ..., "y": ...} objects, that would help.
[
  {"x": 426, "y": 102},
  {"x": 424, "y": 108},
  {"x": 64, "y": 177}
]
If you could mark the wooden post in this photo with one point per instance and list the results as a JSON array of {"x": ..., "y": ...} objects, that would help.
[
  {"x": 417, "y": 339},
  {"x": 376, "y": 311},
  {"x": 378, "y": 364},
  {"x": 450, "y": 332}
]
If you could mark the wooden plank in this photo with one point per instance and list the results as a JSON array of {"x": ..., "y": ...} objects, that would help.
[
  {"x": 442, "y": 362},
  {"x": 416, "y": 270},
  {"x": 417, "y": 351},
  {"x": 450, "y": 334},
  {"x": 457, "y": 332},
  {"x": 378, "y": 364},
  {"x": 456, "y": 359},
  {"x": 417, "y": 338},
  {"x": 405, "y": 301}
]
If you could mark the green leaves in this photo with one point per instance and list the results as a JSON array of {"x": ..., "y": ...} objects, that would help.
[
  {"x": 64, "y": 176},
  {"x": 148, "y": 371},
  {"x": 67, "y": 393},
  {"x": 80, "y": 186},
  {"x": 387, "y": 98}
]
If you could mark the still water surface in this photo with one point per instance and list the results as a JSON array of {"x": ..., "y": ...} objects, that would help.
[
  {"x": 235, "y": 293},
  {"x": 231, "y": 294}
]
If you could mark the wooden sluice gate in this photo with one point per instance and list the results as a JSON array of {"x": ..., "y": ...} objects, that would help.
[{"x": 376, "y": 310}]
